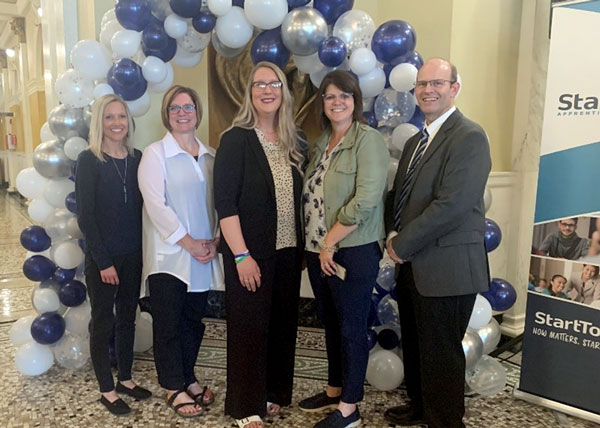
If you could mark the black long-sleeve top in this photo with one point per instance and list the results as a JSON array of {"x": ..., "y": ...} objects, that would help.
[{"x": 111, "y": 227}]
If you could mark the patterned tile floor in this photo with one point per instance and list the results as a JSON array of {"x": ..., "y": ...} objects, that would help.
[{"x": 61, "y": 398}]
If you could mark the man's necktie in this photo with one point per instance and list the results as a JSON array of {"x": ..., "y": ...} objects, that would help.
[{"x": 410, "y": 175}]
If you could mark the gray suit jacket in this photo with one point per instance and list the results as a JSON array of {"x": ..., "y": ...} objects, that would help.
[{"x": 443, "y": 221}]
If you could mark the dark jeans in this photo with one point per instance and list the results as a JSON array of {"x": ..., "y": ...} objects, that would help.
[
  {"x": 434, "y": 362},
  {"x": 124, "y": 298},
  {"x": 261, "y": 334},
  {"x": 178, "y": 329},
  {"x": 343, "y": 307}
]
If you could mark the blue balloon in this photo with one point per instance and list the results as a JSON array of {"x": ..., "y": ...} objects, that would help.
[
  {"x": 72, "y": 293},
  {"x": 186, "y": 8},
  {"x": 388, "y": 339},
  {"x": 35, "y": 238},
  {"x": 156, "y": 42},
  {"x": 370, "y": 118},
  {"x": 71, "y": 203},
  {"x": 268, "y": 46},
  {"x": 38, "y": 268},
  {"x": 418, "y": 118},
  {"x": 133, "y": 14},
  {"x": 413, "y": 58},
  {"x": 393, "y": 40},
  {"x": 47, "y": 328},
  {"x": 238, "y": 3},
  {"x": 332, "y": 51},
  {"x": 501, "y": 295},
  {"x": 204, "y": 22},
  {"x": 493, "y": 235},
  {"x": 126, "y": 79},
  {"x": 63, "y": 275},
  {"x": 332, "y": 9},
  {"x": 293, "y": 4},
  {"x": 371, "y": 338},
  {"x": 387, "y": 312},
  {"x": 386, "y": 277}
]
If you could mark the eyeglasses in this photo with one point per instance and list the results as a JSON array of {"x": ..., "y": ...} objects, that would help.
[
  {"x": 569, "y": 225},
  {"x": 187, "y": 108},
  {"x": 344, "y": 96},
  {"x": 276, "y": 84},
  {"x": 436, "y": 83}
]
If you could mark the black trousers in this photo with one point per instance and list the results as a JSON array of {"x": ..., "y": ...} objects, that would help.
[
  {"x": 434, "y": 362},
  {"x": 261, "y": 334},
  {"x": 177, "y": 328},
  {"x": 123, "y": 298}
]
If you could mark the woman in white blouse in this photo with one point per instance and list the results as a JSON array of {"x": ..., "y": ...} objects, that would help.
[{"x": 179, "y": 246}]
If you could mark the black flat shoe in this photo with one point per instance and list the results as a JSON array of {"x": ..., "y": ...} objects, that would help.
[
  {"x": 135, "y": 392},
  {"x": 404, "y": 419},
  {"x": 117, "y": 407},
  {"x": 319, "y": 403}
]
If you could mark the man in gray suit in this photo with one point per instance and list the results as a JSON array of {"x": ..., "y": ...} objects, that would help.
[{"x": 435, "y": 224}]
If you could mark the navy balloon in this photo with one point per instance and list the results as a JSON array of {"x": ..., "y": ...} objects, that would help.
[
  {"x": 38, "y": 268},
  {"x": 156, "y": 42},
  {"x": 268, "y": 46},
  {"x": 388, "y": 339},
  {"x": 238, "y": 3},
  {"x": 493, "y": 235},
  {"x": 51, "y": 283},
  {"x": 186, "y": 8},
  {"x": 204, "y": 22},
  {"x": 35, "y": 238},
  {"x": 393, "y": 40},
  {"x": 332, "y": 51},
  {"x": 293, "y": 4},
  {"x": 63, "y": 275},
  {"x": 370, "y": 118},
  {"x": 332, "y": 9},
  {"x": 70, "y": 203},
  {"x": 72, "y": 293},
  {"x": 126, "y": 79},
  {"x": 413, "y": 58},
  {"x": 47, "y": 328},
  {"x": 133, "y": 14},
  {"x": 501, "y": 295},
  {"x": 371, "y": 338}
]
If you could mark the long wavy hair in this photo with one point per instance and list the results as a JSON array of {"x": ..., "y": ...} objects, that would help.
[
  {"x": 97, "y": 131},
  {"x": 247, "y": 116}
]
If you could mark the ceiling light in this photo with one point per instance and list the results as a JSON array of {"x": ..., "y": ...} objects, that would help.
[
  {"x": 39, "y": 12},
  {"x": 10, "y": 52}
]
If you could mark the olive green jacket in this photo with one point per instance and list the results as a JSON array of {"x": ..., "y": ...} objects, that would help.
[{"x": 355, "y": 185}]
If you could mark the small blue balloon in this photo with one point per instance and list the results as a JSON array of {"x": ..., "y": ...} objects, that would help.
[
  {"x": 71, "y": 203},
  {"x": 268, "y": 46},
  {"x": 156, "y": 42},
  {"x": 418, "y": 118},
  {"x": 293, "y": 4},
  {"x": 133, "y": 14},
  {"x": 72, "y": 293},
  {"x": 238, "y": 3},
  {"x": 371, "y": 338},
  {"x": 63, "y": 275},
  {"x": 38, "y": 268},
  {"x": 127, "y": 80},
  {"x": 186, "y": 8},
  {"x": 332, "y": 9},
  {"x": 501, "y": 295},
  {"x": 35, "y": 238},
  {"x": 386, "y": 278},
  {"x": 204, "y": 22},
  {"x": 332, "y": 51},
  {"x": 393, "y": 40},
  {"x": 47, "y": 328},
  {"x": 370, "y": 118},
  {"x": 413, "y": 58},
  {"x": 388, "y": 339},
  {"x": 493, "y": 235},
  {"x": 387, "y": 312}
]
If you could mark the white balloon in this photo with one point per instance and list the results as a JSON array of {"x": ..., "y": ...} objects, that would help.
[
  {"x": 385, "y": 370},
  {"x": 39, "y": 209},
  {"x": 74, "y": 146},
  {"x": 154, "y": 69},
  {"x": 45, "y": 133},
  {"x": 403, "y": 77},
  {"x": 91, "y": 59},
  {"x": 30, "y": 183},
  {"x": 392, "y": 169},
  {"x": 45, "y": 253},
  {"x": 77, "y": 319},
  {"x": 487, "y": 199},
  {"x": 368, "y": 103},
  {"x": 33, "y": 359},
  {"x": 71, "y": 351},
  {"x": 266, "y": 14},
  {"x": 164, "y": 84},
  {"x": 233, "y": 28},
  {"x": 482, "y": 313},
  {"x": 372, "y": 83},
  {"x": 20, "y": 331},
  {"x": 219, "y": 7},
  {"x": 108, "y": 16},
  {"x": 102, "y": 89},
  {"x": 73, "y": 89},
  {"x": 125, "y": 43},
  {"x": 68, "y": 255},
  {"x": 402, "y": 133},
  {"x": 56, "y": 190},
  {"x": 186, "y": 59},
  {"x": 309, "y": 63},
  {"x": 143, "y": 333},
  {"x": 45, "y": 300},
  {"x": 73, "y": 229},
  {"x": 175, "y": 26},
  {"x": 362, "y": 61},
  {"x": 108, "y": 31},
  {"x": 140, "y": 106}
]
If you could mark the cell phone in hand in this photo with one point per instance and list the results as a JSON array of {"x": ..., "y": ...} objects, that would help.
[{"x": 340, "y": 271}]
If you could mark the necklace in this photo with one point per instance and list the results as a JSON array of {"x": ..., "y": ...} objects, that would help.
[{"x": 122, "y": 177}]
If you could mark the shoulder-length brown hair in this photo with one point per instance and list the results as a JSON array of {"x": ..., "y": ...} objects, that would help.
[
  {"x": 345, "y": 82},
  {"x": 168, "y": 99}
]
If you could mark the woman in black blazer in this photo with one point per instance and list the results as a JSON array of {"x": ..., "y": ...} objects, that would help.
[{"x": 258, "y": 182}]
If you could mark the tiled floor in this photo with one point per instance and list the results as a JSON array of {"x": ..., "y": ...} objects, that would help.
[{"x": 61, "y": 398}]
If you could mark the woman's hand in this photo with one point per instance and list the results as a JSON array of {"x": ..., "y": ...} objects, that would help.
[
  {"x": 328, "y": 266},
  {"x": 249, "y": 273},
  {"x": 109, "y": 276},
  {"x": 210, "y": 247}
]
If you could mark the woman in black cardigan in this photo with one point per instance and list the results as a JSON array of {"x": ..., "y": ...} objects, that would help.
[{"x": 258, "y": 183}]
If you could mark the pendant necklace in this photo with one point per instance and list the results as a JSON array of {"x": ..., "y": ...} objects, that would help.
[{"x": 122, "y": 177}]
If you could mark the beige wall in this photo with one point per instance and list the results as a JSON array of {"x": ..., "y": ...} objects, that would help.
[
  {"x": 17, "y": 127},
  {"x": 37, "y": 111}
]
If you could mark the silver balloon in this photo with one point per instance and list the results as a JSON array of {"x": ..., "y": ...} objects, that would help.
[
  {"x": 57, "y": 225},
  {"x": 193, "y": 41},
  {"x": 71, "y": 351},
  {"x": 302, "y": 30},
  {"x": 487, "y": 198},
  {"x": 87, "y": 115},
  {"x": 487, "y": 378},
  {"x": 73, "y": 229},
  {"x": 226, "y": 51},
  {"x": 490, "y": 335},
  {"x": 50, "y": 160},
  {"x": 63, "y": 120},
  {"x": 355, "y": 28},
  {"x": 393, "y": 108},
  {"x": 472, "y": 347},
  {"x": 160, "y": 8}
]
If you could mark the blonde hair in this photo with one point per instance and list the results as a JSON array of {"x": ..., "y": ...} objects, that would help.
[
  {"x": 97, "y": 130},
  {"x": 168, "y": 98},
  {"x": 286, "y": 128}
]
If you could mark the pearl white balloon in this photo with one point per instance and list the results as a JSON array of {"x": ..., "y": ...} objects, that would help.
[
  {"x": 102, "y": 89},
  {"x": 20, "y": 331},
  {"x": 482, "y": 313},
  {"x": 308, "y": 63},
  {"x": 108, "y": 16},
  {"x": 74, "y": 146},
  {"x": 68, "y": 255},
  {"x": 362, "y": 61},
  {"x": 73, "y": 229},
  {"x": 108, "y": 31},
  {"x": 266, "y": 14},
  {"x": 33, "y": 359},
  {"x": 77, "y": 319},
  {"x": 39, "y": 209},
  {"x": 175, "y": 26},
  {"x": 402, "y": 133},
  {"x": 154, "y": 69},
  {"x": 45, "y": 133},
  {"x": 403, "y": 77},
  {"x": 56, "y": 190},
  {"x": 91, "y": 59},
  {"x": 164, "y": 84},
  {"x": 372, "y": 83},
  {"x": 233, "y": 28},
  {"x": 219, "y": 7},
  {"x": 368, "y": 103},
  {"x": 30, "y": 183},
  {"x": 45, "y": 300},
  {"x": 73, "y": 89},
  {"x": 490, "y": 335},
  {"x": 186, "y": 59},
  {"x": 126, "y": 43},
  {"x": 472, "y": 347},
  {"x": 385, "y": 370},
  {"x": 140, "y": 106}
]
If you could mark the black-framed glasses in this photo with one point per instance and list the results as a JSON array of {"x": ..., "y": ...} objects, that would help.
[
  {"x": 344, "y": 96},
  {"x": 435, "y": 83},
  {"x": 275, "y": 84},
  {"x": 570, "y": 225},
  {"x": 188, "y": 108}
]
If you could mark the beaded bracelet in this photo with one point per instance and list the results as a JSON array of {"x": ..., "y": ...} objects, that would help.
[{"x": 331, "y": 249}]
